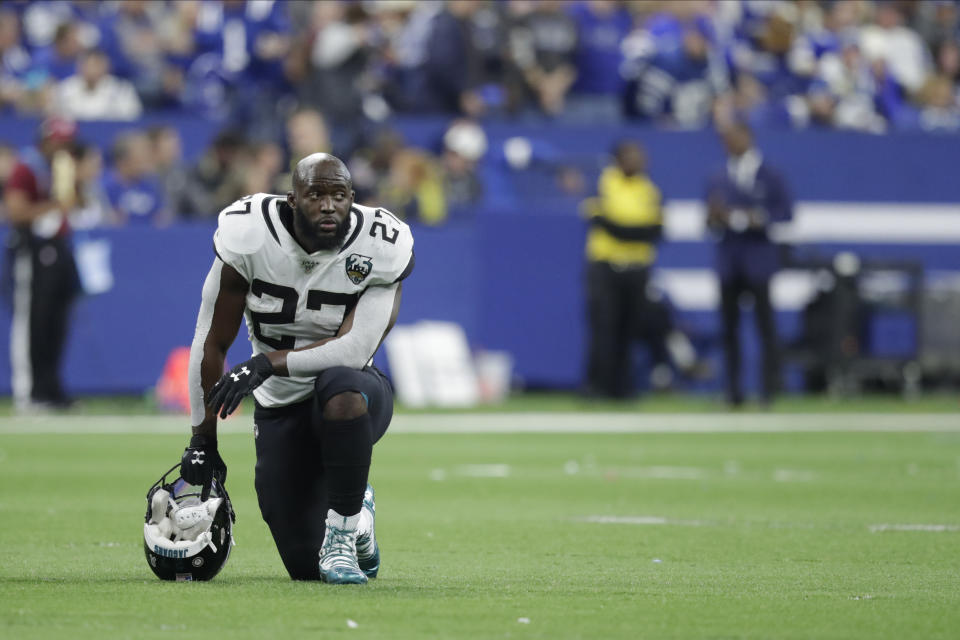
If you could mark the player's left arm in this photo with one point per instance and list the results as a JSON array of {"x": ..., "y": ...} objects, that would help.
[{"x": 359, "y": 337}]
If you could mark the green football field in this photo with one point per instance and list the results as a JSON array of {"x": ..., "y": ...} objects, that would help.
[{"x": 584, "y": 525}]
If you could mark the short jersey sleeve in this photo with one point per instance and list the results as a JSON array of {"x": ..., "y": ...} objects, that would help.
[
  {"x": 240, "y": 234},
  {"x": 391, "y": 243},
  {"x": 229, "y": 257}
]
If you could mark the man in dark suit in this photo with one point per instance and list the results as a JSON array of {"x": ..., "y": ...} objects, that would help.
[{"x": 743, "y": 201}]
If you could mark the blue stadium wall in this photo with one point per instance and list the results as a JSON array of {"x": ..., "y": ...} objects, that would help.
[{"x": 510, "y": 272}]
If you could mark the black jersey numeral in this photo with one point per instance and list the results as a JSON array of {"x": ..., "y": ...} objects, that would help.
[
  {"x": 286, "y": 315},
  {"x": 246, "y": 207},
  {"x": 389, "y": 235},
  {"x": 316, "y": 299}
]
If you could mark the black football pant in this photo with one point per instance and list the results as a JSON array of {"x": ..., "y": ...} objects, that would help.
[
  {"x": 41, "y": 285},
  {"x": 291, "y": 481},
  {"x": 730, "y": 292},
  {"x": 620, "y": 312}
]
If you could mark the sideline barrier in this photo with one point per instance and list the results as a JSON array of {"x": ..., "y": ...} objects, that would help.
[
  {"x": 510, "y": 270},
  {"x": 514, "y": 282}
]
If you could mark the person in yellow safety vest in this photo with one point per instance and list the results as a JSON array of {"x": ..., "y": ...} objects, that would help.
[{"x": 626, "y": 223}]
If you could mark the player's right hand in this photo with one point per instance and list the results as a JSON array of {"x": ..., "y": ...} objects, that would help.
[
  {"x": 201, "y": 463},
  {"x": 238, "y": 383}
]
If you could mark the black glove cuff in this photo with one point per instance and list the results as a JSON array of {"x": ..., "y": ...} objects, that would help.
[
  {"x": 201, "y": 441},
  {"x": 262, "y": 364}
]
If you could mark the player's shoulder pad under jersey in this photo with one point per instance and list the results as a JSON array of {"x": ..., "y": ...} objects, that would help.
[
  {"x": 385, "y": 239},
  {"x": 241, "y": 227}
]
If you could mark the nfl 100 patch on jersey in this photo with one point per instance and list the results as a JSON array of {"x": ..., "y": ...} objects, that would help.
[{"x": 297, "y": 298}]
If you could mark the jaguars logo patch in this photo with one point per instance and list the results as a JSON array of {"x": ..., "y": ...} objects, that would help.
[{"x": 358, "y": 267}]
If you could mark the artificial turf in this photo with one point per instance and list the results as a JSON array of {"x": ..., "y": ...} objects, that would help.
[{"x": 721, "y": 535}]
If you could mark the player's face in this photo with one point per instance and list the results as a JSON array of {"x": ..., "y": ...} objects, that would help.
[{"x": 321, "y": 209}]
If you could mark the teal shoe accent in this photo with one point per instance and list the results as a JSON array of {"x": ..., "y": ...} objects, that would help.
[
  {"x": 371, "y": 565},
  {"x": 368, "y": 551},
  {"x": 342, "y": 575}
]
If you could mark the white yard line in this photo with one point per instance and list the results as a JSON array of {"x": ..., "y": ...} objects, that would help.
[
  {"x": 483, "y": 470},
  {"x": 934, "y": 528},
  {"x": 659, "y": 472},
  {"x": 642, "y": 520},
  {"x": 671, "y": 423},
  {"x": 565, "y": 422},
  {"x": 659, "y": 520},
  {"x": 793, "y": 475}
]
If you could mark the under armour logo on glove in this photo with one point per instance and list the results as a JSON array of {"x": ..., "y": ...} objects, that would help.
[
  {"x": 239, "y": 382},
  {"x": 193, "y": 467}
]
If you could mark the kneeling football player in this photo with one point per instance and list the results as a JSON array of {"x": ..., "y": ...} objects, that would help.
[{"x": 318, "y": 280}]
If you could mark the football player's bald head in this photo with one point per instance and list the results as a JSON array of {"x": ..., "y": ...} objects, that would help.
[
  {"x": 321, "y": 199},
  {"x": 320, "y": 166}
]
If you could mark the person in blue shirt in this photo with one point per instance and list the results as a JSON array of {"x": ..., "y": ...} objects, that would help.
[
  {"x": 59, "y": 60},
  {"x": 14, "y": 57},
  {"x": 743, "y": 201},
  {"x": 678, "y": 83},
  {"x": 250, "y": 37},
  {"x": 15, "y": 60},
  {"x": 132, "y": 35},
  {"x": 134, "y": 193},
  {"x": 245, "y": 43},
  {"x": 767, "y": 52},
  {"x": 602, "y": 26}
]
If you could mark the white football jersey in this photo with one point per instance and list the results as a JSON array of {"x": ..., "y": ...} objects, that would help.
[{"x": 296, "y": 298}]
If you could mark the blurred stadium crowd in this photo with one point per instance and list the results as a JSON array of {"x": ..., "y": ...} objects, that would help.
[
  {"x": 847, "y": 64},
  {"x": 280, "y": 79}
]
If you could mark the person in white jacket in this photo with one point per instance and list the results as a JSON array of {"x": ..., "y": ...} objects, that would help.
[{"x": 93, "y": 94}]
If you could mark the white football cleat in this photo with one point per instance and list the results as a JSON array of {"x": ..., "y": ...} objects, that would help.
[{"x": 338, "y": 555}]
